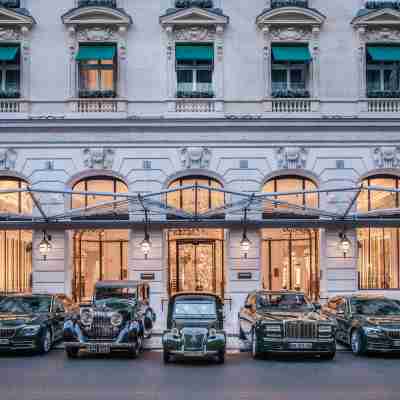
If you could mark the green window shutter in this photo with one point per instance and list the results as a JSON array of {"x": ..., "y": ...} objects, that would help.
[
  {"x": 86, "y": 53},
  {"x": 191, "y": 53},
  {"x": 291, "y": 53},
  {"x": 384, "y": 53},
  {"x": 8, "y": 53}
]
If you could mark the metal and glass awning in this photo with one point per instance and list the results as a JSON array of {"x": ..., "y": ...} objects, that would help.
[{"x": 343, "y": 207}]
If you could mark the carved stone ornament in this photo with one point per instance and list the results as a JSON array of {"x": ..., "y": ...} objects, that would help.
[
  {"x": 195, "y": 157},
  {"x": 291, "y": 157},
  {"x": 387, "y": 157},
  {"x": 382, "y": 34},
  {"x": 10, "y": 34},
  {"x": 97, "y": 34},
  {"x": 98, "y": 158},
  {"x": 8, "y": 159},
  {"x": 194, "y": 33},
  {"x": 290, "y": 33}
]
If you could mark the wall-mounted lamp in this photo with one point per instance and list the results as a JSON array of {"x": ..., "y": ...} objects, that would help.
[
  {"x": 245, "y": 243},
  {"x": 45, "y": 245},
  {"x": 344, "y": 243},
  {"x": 145, "y": 244}
]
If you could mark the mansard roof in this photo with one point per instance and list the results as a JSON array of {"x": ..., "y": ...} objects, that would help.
[
  {"x": 290, "y": 16},
  {"x": 15, "y": 16},
  {"x": 377, "y": 17},
  {"x": 194, "y": 16},
  {"x": 96, "y": 15}
]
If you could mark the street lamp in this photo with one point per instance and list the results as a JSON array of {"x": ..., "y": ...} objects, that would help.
[
  {"x": 245, "y": 243},
  {"x": 45, "y": 245},
  {"x": 344, "y": 243},
  {"x": 145, "y": 244}
]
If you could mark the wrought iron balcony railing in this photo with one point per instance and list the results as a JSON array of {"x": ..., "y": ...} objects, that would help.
[
  {"x": 194, "y": 3},
  {"x": 101, "y": 3},
  {"x": 10, "y": 3},
  {"x": 379, "y": 4},
  {"x": 289, "y": 3}
]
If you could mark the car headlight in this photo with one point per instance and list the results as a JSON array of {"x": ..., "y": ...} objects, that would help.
[
  {"x": 273, "y": 329},
  {"x": 373, "y": 332},
  {"x": 212, "y": 333},
  {"x": 325, "y": 329},
  {"x": 116, "y": 319},
  {"x": 86, "y": 317},
  {"x": 30, "y": 330},
  {"x": 175, "y": 333}
]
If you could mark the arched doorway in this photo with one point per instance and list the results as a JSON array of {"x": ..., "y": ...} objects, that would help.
[
  {"x": 290, "y": 257},
  {"x": 196, "y": 256},
  {"x": 379, "y": 248},
  {"x": 98, "y": 254},
  {"x": 15, "y": 246}
]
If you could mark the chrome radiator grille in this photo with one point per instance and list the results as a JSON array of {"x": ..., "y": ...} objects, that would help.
[
  {"x": 7, "y": 333},
  {"x": 301, "y": 330},
  {"x": 393, "y": 333},
  {"x": 193, "y": 340},
  {"x": 101, "y": 327}
]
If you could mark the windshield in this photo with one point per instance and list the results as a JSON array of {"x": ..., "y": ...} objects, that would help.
[
  {"x": 25, "y": 305},
  {"x": 115, "y": 304},
  {"x": 375, "y": 306},
  {"x": 283, "y": 302},
  {"x": 199, "y": 309},
  {"x": 122, "y": 293}
]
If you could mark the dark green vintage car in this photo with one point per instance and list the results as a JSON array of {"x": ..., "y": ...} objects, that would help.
[
  {"x": 31, "y": 322},
  {"x": 195, "y": 327},
  {"x": 366, "y": 323},
  {"x": 285, "y": 322}
]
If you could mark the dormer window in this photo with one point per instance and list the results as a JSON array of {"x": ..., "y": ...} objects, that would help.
[
  {"x": 97, "y": 70},
  {"x": 9, "y": 71},
  {"x": 194, "y": 70}
]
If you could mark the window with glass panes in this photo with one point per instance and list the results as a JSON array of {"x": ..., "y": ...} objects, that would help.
[
  {"x": 289, "y": 76},
  {"x": 382, "y": 76},
  {"x": 10, "y": 74}
]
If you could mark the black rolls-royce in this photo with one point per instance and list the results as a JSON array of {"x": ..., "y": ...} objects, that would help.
[
  {"x": 366, "y": 323},
  {"x": 285, "y": 322},
  {"x": 31, "y": 322},
  {"x": 118, "y": 319},
  {"x": 195, "y": 327}
]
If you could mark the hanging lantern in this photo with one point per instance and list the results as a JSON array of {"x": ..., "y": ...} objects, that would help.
[
  {"x": 245, "y": 245},
  {"x": 344, "y": 244},
  {"x": 45, "y": 245},
  {"x": 145, "y": 245}
]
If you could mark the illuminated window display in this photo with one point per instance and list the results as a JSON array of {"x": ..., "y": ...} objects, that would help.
[{"x": 379, "y": 248}]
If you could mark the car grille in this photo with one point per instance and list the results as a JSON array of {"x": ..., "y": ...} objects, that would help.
[
  {"x": 101, "y": 327},
  {"x": 193, "y": 340},
  {"x": 301, "y": 330},
  {"x": 7, "y": 332},
  {"x": 393, "y": 333}
]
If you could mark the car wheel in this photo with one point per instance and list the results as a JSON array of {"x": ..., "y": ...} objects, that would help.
[
  {"x": 221, "y": 357},
  {"x": 357, "y": 343},
  {"x": 133, "y": 352},
  {"x": 254, "y": 346},
  {"x": 45, "y": 342},
  {"x": 328, "y": 356},
  {"x": 72, "y": 352},
  {"x": 166, "y": 357}
]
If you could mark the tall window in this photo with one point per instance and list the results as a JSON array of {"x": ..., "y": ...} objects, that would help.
[
  {"x": 97, "y": 71},
  {"x": 290, "y": 184},
  {"x": 10, "y": 71},
  {"x": 194, "y": 70},
  {"x": 15, "y": 246},
  {"x": 290, "y": 70},
  {"x": 379, "y": 248}
]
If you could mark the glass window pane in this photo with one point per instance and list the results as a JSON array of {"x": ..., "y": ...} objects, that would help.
[
  {"x": 12, "y": 80},
  {"x": 204, "y": 80},
  {"x": 9, "y": 202},
  {"x": 185, "y": 80},
  {"x": 297, "y": 79},
  {"x": 390, "y": 78},
  {"x": 89, "y": 79},
  {"x": 78, "y": 201},
  {"x": 373, "y": 80},
  {"x": 279, "y": 79},
  {"x": 26, "y": 201},
  {"x": 381, "y": 199},
  {"x": 99, "y": 185},
  {"x": 107, "y": 80}
]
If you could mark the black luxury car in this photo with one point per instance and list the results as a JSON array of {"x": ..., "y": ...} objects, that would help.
[
  {"x": 31, "y": 322},
  {"x": 195, "y": 327},
  {"x": 285, "y": 322},
  {"x": 118, "y": 319},
  {"x": 366, "y": 323}
]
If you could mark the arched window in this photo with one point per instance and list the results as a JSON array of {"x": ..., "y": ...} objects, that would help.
[
  {"x": 105, "y": 184},
  {"x": 15, "y": 246},
  {"x": 379, "y": 248},
  {"x": 286, "y": 184},
  {"x": 196, "y": 200}
]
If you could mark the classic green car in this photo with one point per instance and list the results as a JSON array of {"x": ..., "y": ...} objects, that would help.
[
  {"x": 286, "y": 322},
  {"x": 195, "y": 327},
  {"x": 366, "y": 323}
]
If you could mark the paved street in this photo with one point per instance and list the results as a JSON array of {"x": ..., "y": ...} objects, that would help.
[{"x": 56, "y": 378}]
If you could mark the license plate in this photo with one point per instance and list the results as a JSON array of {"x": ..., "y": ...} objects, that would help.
[
  {"x": 300, "y": 346},
  {"x": 99, "y": 348},
  {"x": 192, "y": 353},
  {"x": 4, "y": 342},
  {"x": 396, "y": 343}
]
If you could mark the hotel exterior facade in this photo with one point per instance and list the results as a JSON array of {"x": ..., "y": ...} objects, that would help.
[{"x": 169, "y": 119}]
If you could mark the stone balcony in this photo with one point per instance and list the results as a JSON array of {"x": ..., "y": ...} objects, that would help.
[
  {"x": 292, "y": 105},
  {"x": 14, "y": 106},
  {"x": 195, "y": 106},
  {"x": 99, "y": 106}
]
